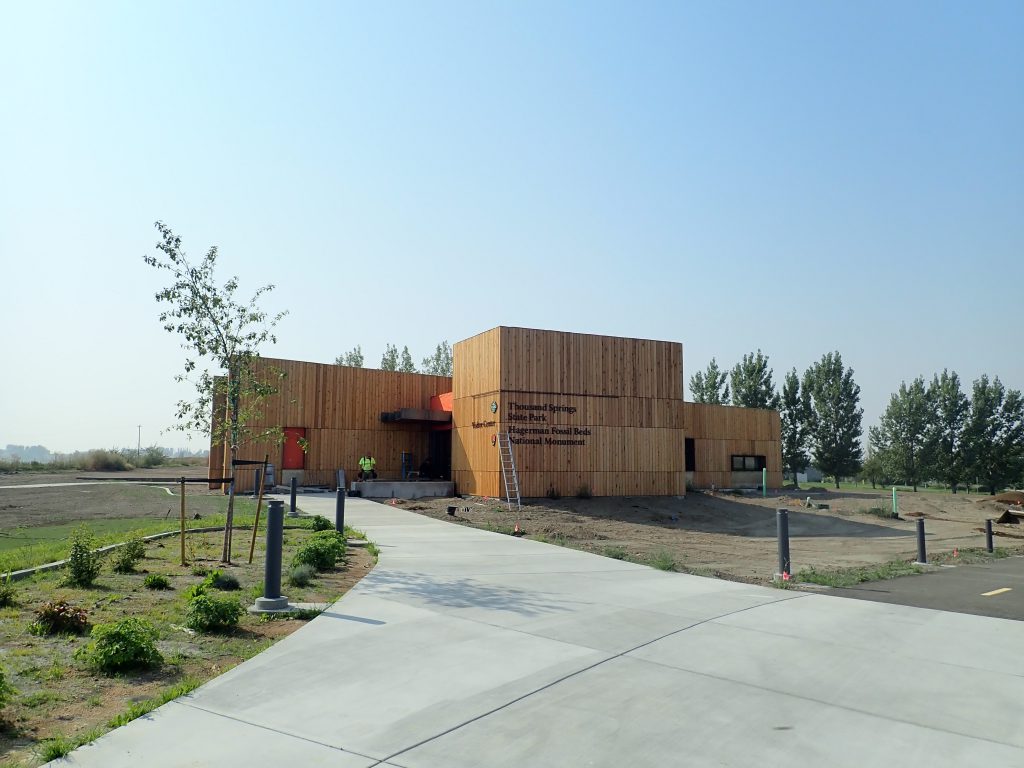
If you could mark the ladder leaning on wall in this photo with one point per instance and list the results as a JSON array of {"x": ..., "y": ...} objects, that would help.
[{"x": 509, "y": 475}]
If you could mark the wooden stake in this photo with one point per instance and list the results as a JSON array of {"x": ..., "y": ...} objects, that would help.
[
  {"x": 183, "y": 522},
  {"x": 259, "y": 501}
]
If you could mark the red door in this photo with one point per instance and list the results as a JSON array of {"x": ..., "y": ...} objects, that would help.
[{"x": 294, "y": 456}]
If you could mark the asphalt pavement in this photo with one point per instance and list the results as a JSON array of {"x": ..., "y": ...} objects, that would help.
[
  {"x": 468, "y": 649},
  {"x": 992, "y": 589}
]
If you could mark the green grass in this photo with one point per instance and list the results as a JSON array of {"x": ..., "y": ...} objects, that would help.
[
  {"x": 60, "y": 745},
  {"x": 848, "y": 577},
  {"x": 138, "y": 709},
  {"x": 883, "y": 512},
  {"x": 26, "y": 547},
  {"x": 663, "y": 561},
  {"x": 616, "y": 553},
  {"x": 970, "y": 555}
]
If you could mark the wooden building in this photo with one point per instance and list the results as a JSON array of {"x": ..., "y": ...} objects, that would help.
[{"x": 584, "y": 413}]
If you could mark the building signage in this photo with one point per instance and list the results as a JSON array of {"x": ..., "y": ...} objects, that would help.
[{"x": 533, "y": 424}]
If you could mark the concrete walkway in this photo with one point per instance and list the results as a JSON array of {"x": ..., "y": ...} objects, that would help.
[{"x": 465, "y": 649}]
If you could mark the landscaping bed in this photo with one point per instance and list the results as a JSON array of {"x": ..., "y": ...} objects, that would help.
[{"x": 63, "y": 695}]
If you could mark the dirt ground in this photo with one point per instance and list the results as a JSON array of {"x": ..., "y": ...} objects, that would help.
[
  {"x": 734, "y": 536},
  {"x": 74, "y": 475}
]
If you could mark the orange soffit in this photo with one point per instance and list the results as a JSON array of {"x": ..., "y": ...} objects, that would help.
[{"x": 441, "y": 402}]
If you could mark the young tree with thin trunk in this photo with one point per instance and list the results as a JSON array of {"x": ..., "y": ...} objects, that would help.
[
  {"x": 710, "y": 386},
  {"x": 218, "y": 330},
  {"x": 795, "y": 412},
  {"x": 752, "y": 385},
  {"x": 835, "y": 416}
]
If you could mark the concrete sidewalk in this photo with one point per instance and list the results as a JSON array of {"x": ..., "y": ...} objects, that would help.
[{"x": 466, "y": 648}]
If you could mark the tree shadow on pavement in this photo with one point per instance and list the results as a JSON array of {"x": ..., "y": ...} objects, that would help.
[{"x": 420, "y": 588}]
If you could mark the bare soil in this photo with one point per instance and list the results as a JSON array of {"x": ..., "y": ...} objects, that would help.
[{"x": 734, "y": 536}]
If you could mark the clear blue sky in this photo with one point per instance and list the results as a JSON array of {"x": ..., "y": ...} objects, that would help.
[{"x": 794, "y": 176}]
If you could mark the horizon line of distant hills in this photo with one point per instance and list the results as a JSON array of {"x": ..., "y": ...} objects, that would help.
[{"x": 44, "y": 455}]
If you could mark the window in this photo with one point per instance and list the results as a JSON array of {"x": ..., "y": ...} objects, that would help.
[
  {"x": 748, "y": 463},
  {"x": 691, "y": 455}
]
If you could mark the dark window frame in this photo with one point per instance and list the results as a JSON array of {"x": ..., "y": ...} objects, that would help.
[{"x": 759, "y": 462}]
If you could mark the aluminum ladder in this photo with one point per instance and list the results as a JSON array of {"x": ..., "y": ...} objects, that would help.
[{"x": 508, "y": 470}]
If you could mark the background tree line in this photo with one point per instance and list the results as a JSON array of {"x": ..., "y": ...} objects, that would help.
[
  {"x": 929, "y": 431},
  {"x": 437, "y": 364}
]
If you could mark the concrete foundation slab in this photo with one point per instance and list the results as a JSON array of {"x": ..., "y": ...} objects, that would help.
[{"x": 402, "y": 489}]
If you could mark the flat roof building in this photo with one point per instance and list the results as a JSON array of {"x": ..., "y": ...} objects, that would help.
[{"x": 581, "y": 412}]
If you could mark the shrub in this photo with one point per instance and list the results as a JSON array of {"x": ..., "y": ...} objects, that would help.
[
  {"x": 663, "y": 561},
  {"x": 321, "y": 552},
  {"x": 211, "y": 614},
  {"x": 321, "y": 523},
  {"x": 59, "y": 617},
  {"x": 200, "y": 570},
  {"x": 583, "y": 492},
  {"x": 122, "y": 645},
  {"x": 127, "y": 556},
  {"x": 156, "y": 581},
  {"x": 301, "y": 575},
  {"x": 137, "y": 547},
  {"x": 83, "y": 561},
  {"x": 225, "y": 581},
  {"x": 6, "y": 689},
  {"x": 8, "y": 595},
  {"x": 105, "y": 461}
]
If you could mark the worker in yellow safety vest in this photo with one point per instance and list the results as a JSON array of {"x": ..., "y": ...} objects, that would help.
[{"x": 367, "y": 467}]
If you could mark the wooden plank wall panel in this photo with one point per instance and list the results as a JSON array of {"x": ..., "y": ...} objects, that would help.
[
  {"x": 573, "y": 363},
  {"x": 476, "y": 364},
  {"x": 340, "y": 408},
  {"x": 604, "y": 412}
]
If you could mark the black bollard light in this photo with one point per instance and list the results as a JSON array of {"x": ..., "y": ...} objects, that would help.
[
  {"x": 292, "y": 512},
  {"x": 272, "y": 599},
  {"x": 339, "y": 512},
  {"x": 922, "y": 556},
  {"x": 782, "y": 525},
  {"x": 988, "y": 536}
]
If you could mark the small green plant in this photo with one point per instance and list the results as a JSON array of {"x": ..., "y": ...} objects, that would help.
[
  {"x": 136, "y": 548},
  {"x": 6, "y": 689},
  {"x": 321, "y": 523},
  {"x": 138, "y": 709},
  {"x": 663, "y": 561},
  {"x": 122, "y": 564},
  {"x": 553, "y": 493},
  {"x": 122, "y": 645},
  {"x": 321, "y": 552},
  {"x": 59, "y": 617},
  {"x": 213, "y": 614},
  {"x": 59, "y": 745},
  {"x": 227, "y": 582},
  {"x": 156, "y": 581},
  {"x": 615, "y": 552},
  {"x": 373, "y": 549},
  {"x": 301, "y": 575},
  {"x": 583, "y": 492},
  {"x": 8, "y": 595},
  {"x": 83, "y": 561},
  {"x": 883, "y": 512},
  {"x": 200, "y": 570}
]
